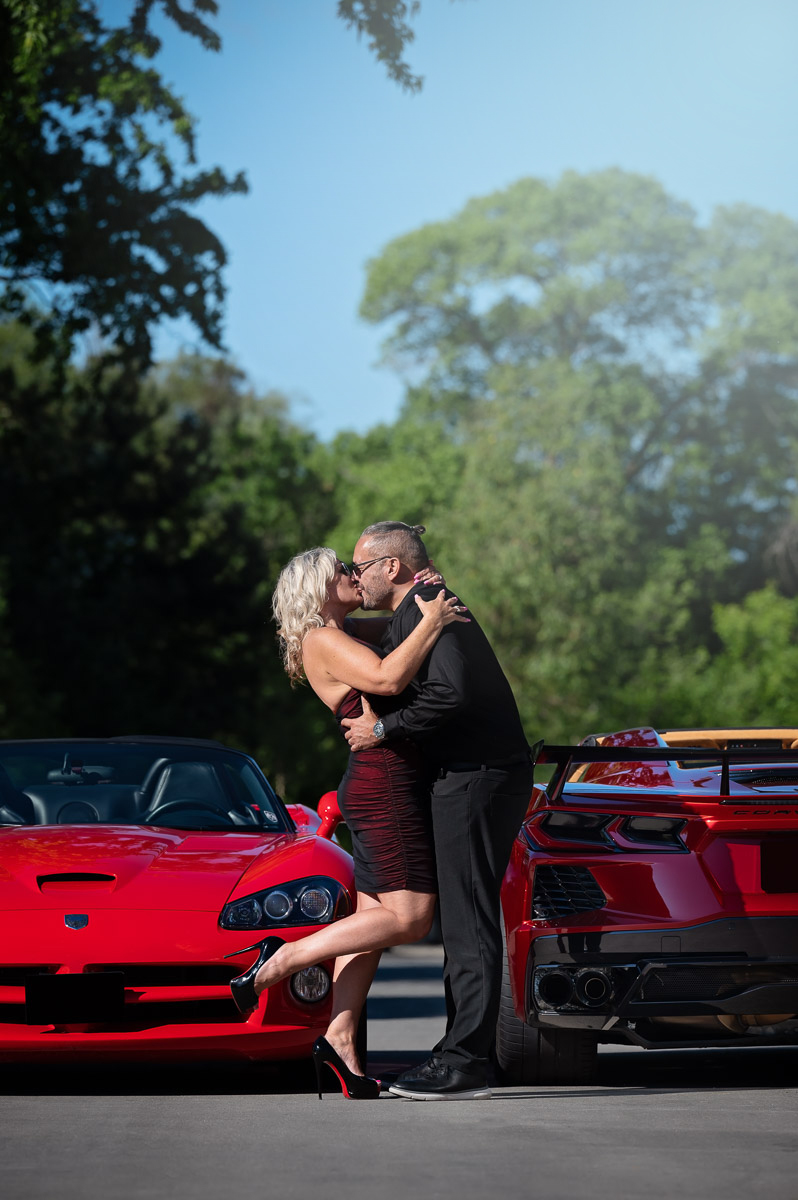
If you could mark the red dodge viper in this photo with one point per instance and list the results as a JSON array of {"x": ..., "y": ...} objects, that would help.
[
  {"x": 652, "y": 900},
  {"x": 131, "y": 869}
]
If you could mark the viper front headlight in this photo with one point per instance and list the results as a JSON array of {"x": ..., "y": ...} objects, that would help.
[{"x": 314, "y": 901}]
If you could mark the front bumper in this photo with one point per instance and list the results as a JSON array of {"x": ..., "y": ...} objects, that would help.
[
  {"x": 176, "y": 1002},
  {"x": 599, "y": 979}
]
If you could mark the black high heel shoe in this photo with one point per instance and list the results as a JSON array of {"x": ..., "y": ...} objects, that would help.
[
  {"x": 243, "y": 986},
  {"x": 354, "y": 1087}
]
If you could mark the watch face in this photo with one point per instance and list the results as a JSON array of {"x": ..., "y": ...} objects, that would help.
[{"x": 379, "y": 730}]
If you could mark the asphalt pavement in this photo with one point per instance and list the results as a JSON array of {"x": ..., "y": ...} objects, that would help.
[{"x": 686, "y": 1124}]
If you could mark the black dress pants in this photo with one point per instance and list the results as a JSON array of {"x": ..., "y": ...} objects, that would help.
[{"x": 475, "y": 818}]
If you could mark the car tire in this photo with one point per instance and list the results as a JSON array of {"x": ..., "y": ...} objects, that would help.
[{"x": 526, "y": 1055}]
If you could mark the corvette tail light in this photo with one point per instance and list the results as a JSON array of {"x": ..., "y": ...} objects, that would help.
[
  {"x": 315, "y": 901},
  {"x": 650, "y": 831},
  {"x": 564, "y": 831},
  {"x": 576, "y": 826}
]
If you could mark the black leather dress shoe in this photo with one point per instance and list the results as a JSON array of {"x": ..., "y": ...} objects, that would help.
[
  {"x": 419, "y": 1071},
  {"x": 442, "y": 1082}
]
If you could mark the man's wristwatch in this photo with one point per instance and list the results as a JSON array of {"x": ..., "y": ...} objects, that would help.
[{"x": 379, "y": 730}]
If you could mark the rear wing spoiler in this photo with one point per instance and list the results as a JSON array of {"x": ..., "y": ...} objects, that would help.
[{"x": 565, "y": 757}]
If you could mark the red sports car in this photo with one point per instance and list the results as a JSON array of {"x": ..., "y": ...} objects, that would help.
[
  {"x": 652, "y": 900},
  {"x": 131, "y": 869}
]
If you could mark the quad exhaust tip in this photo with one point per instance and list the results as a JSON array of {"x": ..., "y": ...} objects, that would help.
[{"x": 559, "y": 988}]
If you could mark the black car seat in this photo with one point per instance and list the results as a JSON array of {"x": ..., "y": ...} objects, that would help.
[{"x": 15, "y": 807}]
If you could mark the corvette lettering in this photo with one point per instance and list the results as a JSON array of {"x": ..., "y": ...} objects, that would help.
[{"x": 766, "y": 812}]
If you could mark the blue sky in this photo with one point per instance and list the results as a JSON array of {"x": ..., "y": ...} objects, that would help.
[{"x": 702, "y": 94}]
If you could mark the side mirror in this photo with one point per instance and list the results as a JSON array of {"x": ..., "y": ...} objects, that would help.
[
  {"x": 304, "y": 817},
  {"x": 330, "y": 813}
]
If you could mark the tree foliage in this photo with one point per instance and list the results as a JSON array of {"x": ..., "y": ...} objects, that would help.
[
  {"x": 623, "y": 387},
  {"x": 135, "y": 585},
  {"x": 96, "y": 221},
  {"x": 392, "y": 469},
  {"x": 747, "y": 679},
  {"x": 599, "y": 434},
  {"x": 385, "y": 26}
]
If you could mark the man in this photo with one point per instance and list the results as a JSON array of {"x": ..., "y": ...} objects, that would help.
[{"x": 461, "y": 710}]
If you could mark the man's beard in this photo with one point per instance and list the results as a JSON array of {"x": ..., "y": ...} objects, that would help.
[{"x": 371, "y": 601}]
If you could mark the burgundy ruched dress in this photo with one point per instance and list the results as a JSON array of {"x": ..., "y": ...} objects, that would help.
[{"x": 384, "y": 798}]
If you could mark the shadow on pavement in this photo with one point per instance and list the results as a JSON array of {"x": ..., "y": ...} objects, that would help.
[
  {"x": 655, "y": 1071},
  {"x": 743, "y": 1067},
  {"x": 619, "y": 1073},
  {"x": 157, "y": 1079}
]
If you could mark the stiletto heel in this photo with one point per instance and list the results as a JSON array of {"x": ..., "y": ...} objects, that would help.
[
  {"x": 243, "y": 986},
  {"x": 318, "y": 1063},
  {"x": 354, "y": 1087}
]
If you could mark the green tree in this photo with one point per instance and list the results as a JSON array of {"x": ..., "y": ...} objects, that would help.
[
  {"x": 96, "y": 221},
  {"x": 748, "y": 680},
  {"x": 388, "y": 32},
  {"x": 624, "y": 401},
  {"x": 392, "y": 472},
  {"x": 135, "y": 583},
  {"x": 386, "y": 25}
]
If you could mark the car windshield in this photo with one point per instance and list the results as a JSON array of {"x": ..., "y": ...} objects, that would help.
[{"x": 179, "y": 785}]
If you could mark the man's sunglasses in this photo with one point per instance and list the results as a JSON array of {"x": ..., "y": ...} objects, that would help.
[{"x": 359, "y": 568}]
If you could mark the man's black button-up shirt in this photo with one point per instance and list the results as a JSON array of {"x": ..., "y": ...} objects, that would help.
[{"x": 460, "y": 705}]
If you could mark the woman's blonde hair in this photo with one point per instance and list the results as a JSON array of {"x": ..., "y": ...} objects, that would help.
[{"x": 298, "y": 599}]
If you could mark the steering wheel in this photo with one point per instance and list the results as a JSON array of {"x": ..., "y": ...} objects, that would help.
[{"x": 176, "y": 805}]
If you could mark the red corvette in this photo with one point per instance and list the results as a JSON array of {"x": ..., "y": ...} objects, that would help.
[
  {"x": 131, "y": 869},
  {"x": 652, "y": 900}
]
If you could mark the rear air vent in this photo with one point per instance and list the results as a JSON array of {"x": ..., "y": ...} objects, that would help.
[
  {"x": 562, "y": 891},
  {"x": 770, "y": 780}
]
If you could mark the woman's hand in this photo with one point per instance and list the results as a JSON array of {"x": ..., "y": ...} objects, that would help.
[
  {"x": 441, "y": 611},
  {"x": 429, "y": 574}
]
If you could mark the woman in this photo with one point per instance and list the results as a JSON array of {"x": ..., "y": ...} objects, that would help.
[{"x": 383, "y": 797}]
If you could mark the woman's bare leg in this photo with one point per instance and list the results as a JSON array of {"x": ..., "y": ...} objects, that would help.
[
  {"x": 385, "y": 919},
  {"x": 352, "y": 979}
]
